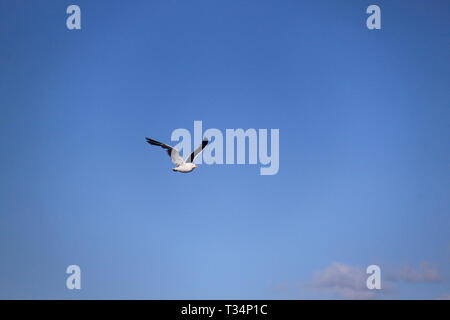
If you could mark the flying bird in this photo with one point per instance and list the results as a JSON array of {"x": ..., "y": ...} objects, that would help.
[{"x": 184, "y": 166}]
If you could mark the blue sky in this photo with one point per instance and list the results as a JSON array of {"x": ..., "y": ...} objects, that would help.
[{"x": 364, "y": 159}]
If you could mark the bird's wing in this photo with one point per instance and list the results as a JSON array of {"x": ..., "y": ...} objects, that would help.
[
  {"x": 197, "y": 151},
  {"x": 172, "y": 152}
]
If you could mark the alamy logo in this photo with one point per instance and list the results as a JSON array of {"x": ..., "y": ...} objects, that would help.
[
  {"x": 374, "y": 280},
  {"x": 374, "y": 20},
  {"x": 74, "y": 280},
  {"x": 74, "y": 20},
  {"x": 237, "y": 141}
]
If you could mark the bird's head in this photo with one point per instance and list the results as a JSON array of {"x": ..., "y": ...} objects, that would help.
[{"x": 192, "y": 166}]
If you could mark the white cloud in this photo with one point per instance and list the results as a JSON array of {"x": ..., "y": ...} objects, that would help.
[
  {"x": 445, "y": 296},
  {"x": 348, "y": 282},
  {"x": 426, "y": 273}
]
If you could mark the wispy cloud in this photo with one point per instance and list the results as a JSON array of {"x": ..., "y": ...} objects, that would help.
[
  {"x": 445, "y": 296},
  {"x": 348, "y": 282},
  {"x": 427, "y": 272}
]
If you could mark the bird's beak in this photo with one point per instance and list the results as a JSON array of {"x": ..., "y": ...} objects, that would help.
[{"x": 195, "y": 166}]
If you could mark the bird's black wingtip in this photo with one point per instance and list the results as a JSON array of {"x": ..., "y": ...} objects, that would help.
[{"x": 156, "y": 143}]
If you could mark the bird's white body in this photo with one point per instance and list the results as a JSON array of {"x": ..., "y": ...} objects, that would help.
[{"x": 185, "y": 167}]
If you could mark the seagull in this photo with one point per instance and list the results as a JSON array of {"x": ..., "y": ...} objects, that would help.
[{"x": 184, "y": 166}]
